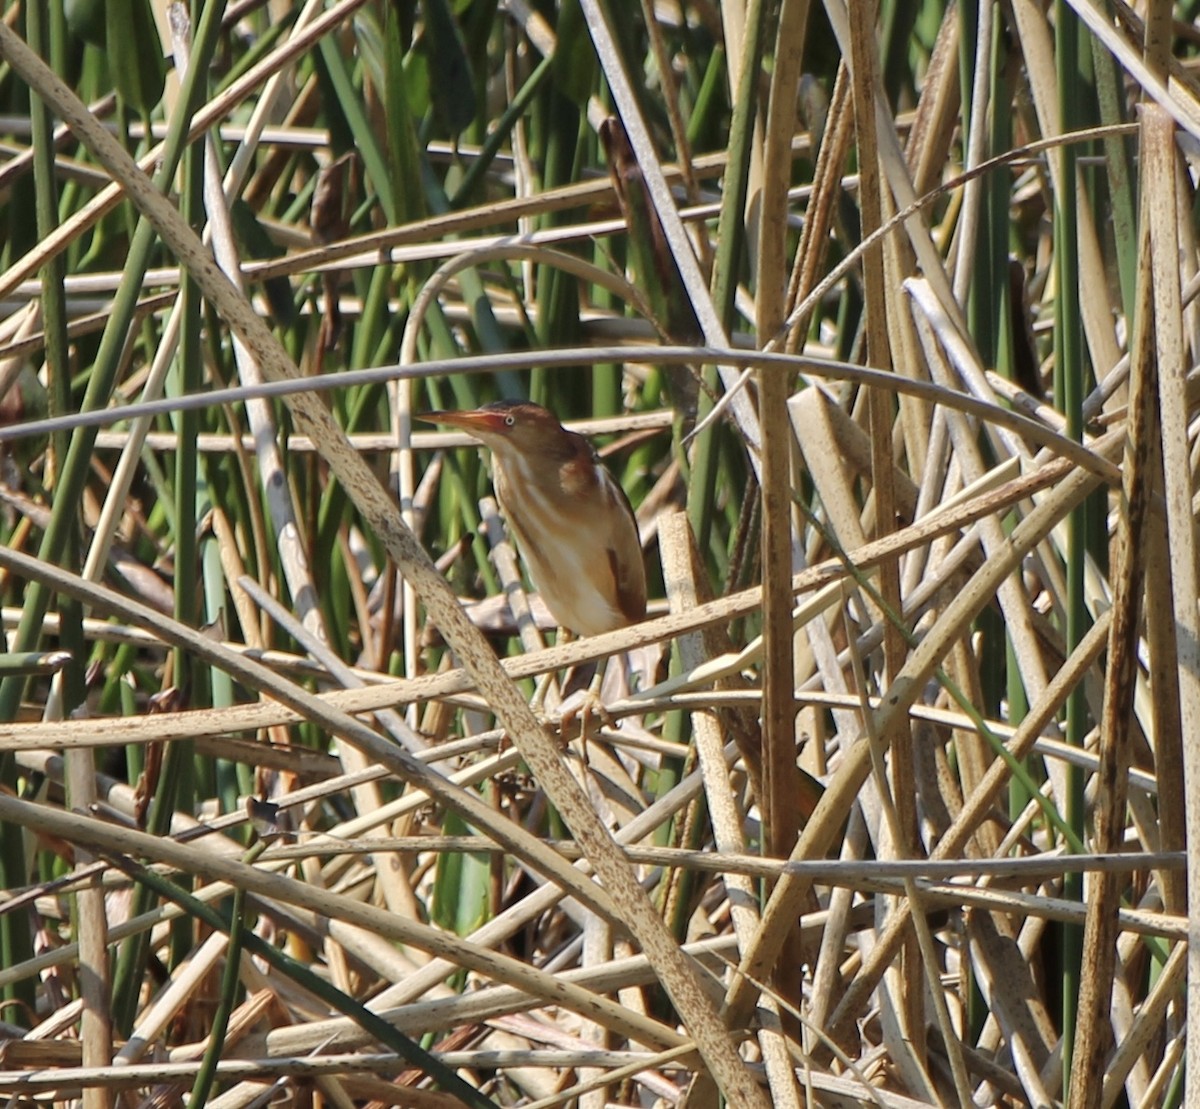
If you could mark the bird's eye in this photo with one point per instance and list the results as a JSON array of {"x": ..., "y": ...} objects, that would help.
[{"x": 510, "y": 420}]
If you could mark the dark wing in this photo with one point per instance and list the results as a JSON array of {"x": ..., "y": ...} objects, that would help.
[{"x": 625, "y": 559}]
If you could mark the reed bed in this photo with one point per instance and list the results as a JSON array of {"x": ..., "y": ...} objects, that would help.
[{"x": 883, "y": 315}]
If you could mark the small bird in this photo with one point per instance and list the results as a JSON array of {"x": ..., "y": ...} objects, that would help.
[{"x": 573, "y": 524}]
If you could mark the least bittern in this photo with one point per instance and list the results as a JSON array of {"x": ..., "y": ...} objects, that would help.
[{"x": 573, "y": 524}]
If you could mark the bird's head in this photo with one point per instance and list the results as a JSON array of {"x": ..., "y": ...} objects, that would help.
[{"x": 511, "y": 427}]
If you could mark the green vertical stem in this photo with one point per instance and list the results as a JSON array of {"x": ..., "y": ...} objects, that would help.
[
  {"x": 405, "y": 161},
  {"x": 1119, "y": 176},
  {"x": 990, "y": 308},
  {"x": 15, "y": 936},
  {"x": 557, "y": 292},
  {"x": 705, "y": 115},
  {"x": 178, "y": 782},
  {"x": 987, "y": 303},
  {"x": 731, "y": 233},
  {"x": 91, "y": 933},
  {"x": 175, "y": 775},
  {"x": 1069, "y": 388},
  {"x": 54, "y": 306},
  {"x": 731, "y": 229}
]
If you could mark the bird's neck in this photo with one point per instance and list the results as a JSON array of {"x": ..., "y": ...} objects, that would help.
[{"x": 546, "y": 467}]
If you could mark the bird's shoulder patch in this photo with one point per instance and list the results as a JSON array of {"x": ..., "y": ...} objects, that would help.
[{"x": 578, "y": 474}]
